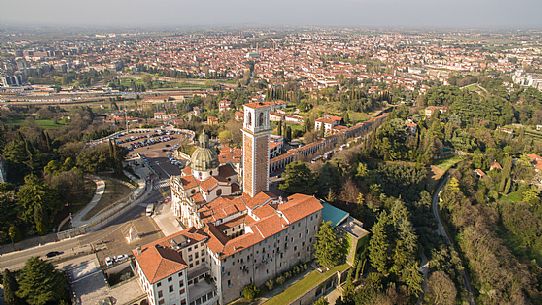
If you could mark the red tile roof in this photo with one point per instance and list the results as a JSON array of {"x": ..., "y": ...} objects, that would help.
[
  {"x": 329, "y": 119},
  {"x": 296, "y": 207},
  {"x": 158, "y": 260},
  {"x": 299, "y": 206},
  {"x": 257, "y": 105}
]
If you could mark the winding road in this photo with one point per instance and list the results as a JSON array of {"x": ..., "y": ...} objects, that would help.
[{"x": 443, "y": 232}]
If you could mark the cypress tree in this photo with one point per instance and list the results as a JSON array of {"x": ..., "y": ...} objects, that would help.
[{"x": 10, "y": 288}]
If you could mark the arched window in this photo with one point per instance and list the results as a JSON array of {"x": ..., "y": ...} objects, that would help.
[
  {"x": 260, "y": 121},
  {"x": 249, "y": 119}
]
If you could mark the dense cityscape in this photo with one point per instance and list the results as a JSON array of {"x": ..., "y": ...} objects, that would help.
[{"x": 270, "y": 165}]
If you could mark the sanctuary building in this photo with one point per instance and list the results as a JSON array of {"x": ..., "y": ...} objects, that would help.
[{"x": 237, "y": 232}]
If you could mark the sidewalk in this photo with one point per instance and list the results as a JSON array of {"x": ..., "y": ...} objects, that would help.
[
  {"x": 165, "y": 219},
  {"x": 100, "y": 188}
]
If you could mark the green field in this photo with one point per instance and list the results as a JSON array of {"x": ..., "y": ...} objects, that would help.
[
  {"x": 536, "y": 135},
  {"x": 298, "y": 289},
  {"x": 45, "y": 124},
  {"x": 445, "y": 164}
]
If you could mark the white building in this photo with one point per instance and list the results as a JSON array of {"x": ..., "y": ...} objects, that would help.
[{"x": 327, "y": 122}]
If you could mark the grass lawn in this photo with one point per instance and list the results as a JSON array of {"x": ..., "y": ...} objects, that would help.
[
  {"x": 45, "y": 124},
  {"x": 298, "y": 289},
  {"x": 445, "y": 164},
  {"x": 513, "y": 197},
  {"x": 114, "y": 190},
  {"x": 84, "y": 197}
]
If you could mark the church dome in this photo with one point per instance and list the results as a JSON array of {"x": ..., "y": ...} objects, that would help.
[{"x": 204, "y": 158}]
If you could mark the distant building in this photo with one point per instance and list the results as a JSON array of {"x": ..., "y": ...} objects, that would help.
[
  {"x": 327, "y": 122},
  {"x": 275, "y": 117},
  {"x": 495, "y": 166},
  {"x": 164, "y": 116},
  {"x": 12, "y": 81},
  {"x": 196, "y": 111},
  {"x": 276, "y": 144},
  {"x": 479, "y": 173},
  {"x": 527, "y": 79},
  {"x": 224, "y": 105},
  {"x": 294, "y": 119},
  {"x": 212, "y": 120},
  {"x": 239, "y": 115},
  {"x": 429, "y": 111},
  {"x": 536, "y": 161}
]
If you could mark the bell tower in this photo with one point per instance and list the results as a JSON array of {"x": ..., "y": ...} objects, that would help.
[{"x": 256, "y": 131}]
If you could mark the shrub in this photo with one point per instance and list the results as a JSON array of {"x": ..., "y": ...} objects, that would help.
[
  {"x": 250, "y": 292},
  {"x": 269, "y": 284},
  {"x": 280, "y": 280}
]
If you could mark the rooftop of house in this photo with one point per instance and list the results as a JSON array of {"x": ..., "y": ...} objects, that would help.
[
  {"x": 162, "y": 258},
  {"x": 270, "y": 216},
  {"x": 329, "y": 119}
]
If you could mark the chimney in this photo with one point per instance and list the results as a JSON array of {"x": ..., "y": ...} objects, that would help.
[{"x": 138, "y": 249}]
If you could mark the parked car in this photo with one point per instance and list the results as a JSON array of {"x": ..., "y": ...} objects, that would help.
[
  {"x": 109, "y": 261},
  {"x": 149, "y": 210},
  {"x": 121, "y": 258},
  {"x": 53, "y": 254}
]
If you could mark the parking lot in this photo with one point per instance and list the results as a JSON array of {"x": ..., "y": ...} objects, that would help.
[
  {"x": 116, "y": 243},
  {"x": 89, "y": 285},
  {"x": 151, "y": 142}
]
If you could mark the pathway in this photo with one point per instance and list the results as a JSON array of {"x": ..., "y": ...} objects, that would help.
[
  {"x": 443, "y": 232},
  {"x": 100, "y": 188}
]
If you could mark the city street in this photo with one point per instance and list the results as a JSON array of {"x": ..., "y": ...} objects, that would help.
[{"x": 81, "y": 244}]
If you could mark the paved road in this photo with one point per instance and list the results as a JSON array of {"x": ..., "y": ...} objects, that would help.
[
  {"x": 443, "y": 232},
  {"x": 15, "y": 260}
]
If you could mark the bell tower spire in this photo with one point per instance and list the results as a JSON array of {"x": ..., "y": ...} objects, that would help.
[{"x": 256, "y": 131}]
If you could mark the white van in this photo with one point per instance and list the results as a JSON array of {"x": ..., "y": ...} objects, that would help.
[{"x": 149, "y": 210}]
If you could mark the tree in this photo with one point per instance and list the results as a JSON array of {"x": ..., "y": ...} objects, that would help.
[
  {"x": 38, "y": 203},
  {"x": 40, "y": 283},
  {"x": 379, "y": 245},
  {"x": 453, "y": 185},
  {"x": 13, "y": 233},
  {"x": 298, "y": 178},
  {"x": 360, "y": 199},
  {"x": 440, "y": 289},
  {"x": 367, "y": 294},
  {"x": 361, "y": 170},
  {"x": 330, "y": 247},
  {"x": 250, "y": 292},
  {"x": 349, "y": 192},
  {"x": 329, "y": 178},
  {"x": 8, "y": 206},
  {"x": 10, "y": 288},
  {"x": 225, "y": 137},
  {"x": 288, "y": 133},
  {"x": 32, "y": 200}
]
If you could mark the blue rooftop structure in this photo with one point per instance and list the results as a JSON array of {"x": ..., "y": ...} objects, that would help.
[{"x": 333, "y": 214}]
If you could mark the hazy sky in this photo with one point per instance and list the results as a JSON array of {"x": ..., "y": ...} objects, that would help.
[{"x": 409, "y": 13}]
